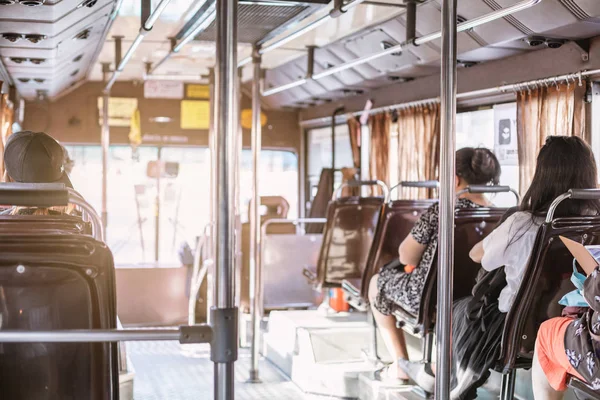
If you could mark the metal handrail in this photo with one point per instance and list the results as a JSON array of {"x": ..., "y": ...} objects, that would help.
[
  {"x": 386, "y": 190},
  {"x": 490, "y": 189},
  {"x": 183, "y": 334},
  {"x": 573, "y": 194},
  {"x": 414, "y": 184}
]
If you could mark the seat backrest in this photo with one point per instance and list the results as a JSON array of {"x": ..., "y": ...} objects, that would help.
[
  {"x": 277, "y": 207},
  {"x": 470, "y": 227},
  {"x": 32, "y": 223},
  {"x": 546, "y": 280},
  {"x": 395, "y": 222},
  {"x": 347, "y": 238},
  {"x": 283, "y": 259},
  {"x": 53, "y": 282}
]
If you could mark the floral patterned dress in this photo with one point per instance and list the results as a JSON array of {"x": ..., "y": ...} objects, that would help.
[
  {"x": 397, "y": 288},
  {"x": 582, "y": 338}
]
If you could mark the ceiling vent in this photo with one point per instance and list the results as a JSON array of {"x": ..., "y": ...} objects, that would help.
[
  {"x": 6, "y": 2},
  {"x": 78, "y": 58},
  {"x": 83, "y": 35},
  {"x": 37, "y": 61},
  {"x": 24, "y": 80},
  {"x": 75, "y": 72},
  {"x": 18, "y": 60},
  {"x": 12, "y": 37},
  {"x": 31, "y": 3},
  {"x": 39, "y": 80},
  {"x": 35, "y": 38},
  {"x": 87, "y": 3}
]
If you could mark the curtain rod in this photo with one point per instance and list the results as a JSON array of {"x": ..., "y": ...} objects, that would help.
[{"x": 576, "y": 78}]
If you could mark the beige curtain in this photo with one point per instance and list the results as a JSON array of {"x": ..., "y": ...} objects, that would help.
[
  {"x": 379, "y": 154},
  {"x": 542, "y": 112},
  {"x": 418, "y": 148},
  {"x": 354, "y": 133}
]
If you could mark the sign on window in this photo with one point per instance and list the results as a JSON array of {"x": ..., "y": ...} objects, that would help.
[{"x": 505, "y": 133}]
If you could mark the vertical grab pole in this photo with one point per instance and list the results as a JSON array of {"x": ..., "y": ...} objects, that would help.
[
  {"x": 210, "y": 272},
  {"x": 255, "y": 239},
  {"x": 447, "y": 176},
  {"x": 105, "y": 141},
  {"x": 224, "y": 318}
]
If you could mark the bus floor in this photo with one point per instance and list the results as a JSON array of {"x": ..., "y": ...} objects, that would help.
[{"x": 171, "y": 371}]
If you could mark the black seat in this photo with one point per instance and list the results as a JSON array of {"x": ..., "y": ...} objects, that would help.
[
  {"x": 347, "y": 238},
  {"x": 50, "y": 282}
]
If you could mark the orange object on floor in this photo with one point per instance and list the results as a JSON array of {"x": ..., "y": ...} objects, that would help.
[{"x": 337, "y": 300}]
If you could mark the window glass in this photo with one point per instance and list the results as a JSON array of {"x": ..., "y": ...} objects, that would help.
[
  {"x": 320, "y": 153},
  {"x": 495, "y": 129},
  {"x": 183, "y": 204}
]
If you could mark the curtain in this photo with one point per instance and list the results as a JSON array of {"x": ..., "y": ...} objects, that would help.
[
  {"x": 6, "y": 121},
  {"x": 354, "y": 133},
  {"x": 380, "y": 125},
  {"x": 542, "y": 112},
  {"x": 418, "y": 148}
]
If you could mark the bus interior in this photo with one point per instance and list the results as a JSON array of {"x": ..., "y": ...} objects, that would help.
[{"x": 243, "y": 168}]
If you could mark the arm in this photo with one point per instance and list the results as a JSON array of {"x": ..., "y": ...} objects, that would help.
[
  {"x": 410, "y": 251},
  {"x": 477, "y": 252}
]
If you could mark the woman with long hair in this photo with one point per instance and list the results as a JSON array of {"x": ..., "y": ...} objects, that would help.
[{"x": 563, "y": 163}]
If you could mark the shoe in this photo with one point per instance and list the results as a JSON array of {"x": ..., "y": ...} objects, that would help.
[
  {"x": 420, "y": 373},
  {"x": 383, "y": 375}
]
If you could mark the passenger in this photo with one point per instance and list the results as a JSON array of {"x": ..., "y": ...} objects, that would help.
[
  {"x": 478, "y": 321},
  {"x": 396, "y": 284},
  {"x": 35, "y": 157},
  {"x": 567, "y": 346}
]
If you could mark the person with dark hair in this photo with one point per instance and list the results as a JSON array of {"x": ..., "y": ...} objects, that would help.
[
  {"x": 563, "y": 163},
  {"x": 35, "y": 157},
  {"x": 401, "y": 282}
]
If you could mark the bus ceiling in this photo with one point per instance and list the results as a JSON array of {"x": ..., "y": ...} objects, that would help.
[{"x": 314, "y": 52}]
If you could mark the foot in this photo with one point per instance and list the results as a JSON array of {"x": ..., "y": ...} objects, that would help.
[
  {"x": 392, "y": 374},
  {"x": 420, "y": 373}
]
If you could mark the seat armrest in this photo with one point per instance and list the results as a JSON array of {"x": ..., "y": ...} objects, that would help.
[{"x": 580, "y": 386}]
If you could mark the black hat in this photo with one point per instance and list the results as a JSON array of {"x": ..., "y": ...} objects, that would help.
[{"x": 35, "y": 157}]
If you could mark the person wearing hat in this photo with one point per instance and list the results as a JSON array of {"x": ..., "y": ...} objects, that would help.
[{"x": 35, "y": 157}]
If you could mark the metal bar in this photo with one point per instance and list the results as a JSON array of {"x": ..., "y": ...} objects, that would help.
[
  {"x": 210, "y": 273},
  {"x": 157, "y": 208},
  {"x": 255, "y": 238},
  {"x": 209, "y": 19},
  {"x": 97, "y": 226},
  {"x": 492, "y": 16},
  {"x": 285, "y": 87},
  {"x": 105, "y": 143},
  {"x": 227, "y": 129},
  {"x": 411, "y": 19},
  {"x": 101, "y": 335},
  {"x": 118, "y": 49},
  {"x": 337, "y": 111},
  {"x": 447, "y": 202},
  {"x": 146, "y": 10},
  {"x": 468, "y": 95},
  {"x": 146, "y": 27}
]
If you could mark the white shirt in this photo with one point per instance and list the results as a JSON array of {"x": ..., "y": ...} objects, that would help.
[{"x": 521, "y": 230}]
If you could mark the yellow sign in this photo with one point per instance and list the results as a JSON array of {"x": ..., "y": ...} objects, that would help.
[
  {"x": 120, "y": 110},
  {"x": 197, "y": 91},
  {"x": 247, "y": 119},
  {"x": 195, "y": 114}
]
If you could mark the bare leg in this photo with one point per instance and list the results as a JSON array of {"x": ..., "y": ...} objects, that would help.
[
  {"x": 541, "y": 387},
  {"x": 393, "y": 337}
]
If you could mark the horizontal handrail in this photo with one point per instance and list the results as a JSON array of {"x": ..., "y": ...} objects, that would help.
[
  {"x": 489, "y": 189},
  {"x": 384, "y": 187},
  {"x": 574, "y": 194},
  {"x": 414, "y": 184},
  {"x": 294, "y": 221},
  {"x": 183, "y": 334}
]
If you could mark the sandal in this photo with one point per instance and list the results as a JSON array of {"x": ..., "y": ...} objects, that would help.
[{"x": 382, "y": 375}]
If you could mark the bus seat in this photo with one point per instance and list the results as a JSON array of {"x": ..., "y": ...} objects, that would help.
[
  {"x": 347, "y": 238},
  {"x": 546, "y": 280},
  {"x": 284, "y": 256},
  {"x": 470, "y": 227},
  {"x": 395, "y": 222},
  {"x": 275, "y": 207},
  {"x": 50, "y": 282},
  {"x": 582, "y": 389},
  {"x": 62, "y": 223}
]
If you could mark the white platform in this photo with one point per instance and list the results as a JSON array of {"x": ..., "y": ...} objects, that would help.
[{"x": 322, "y": 354}]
